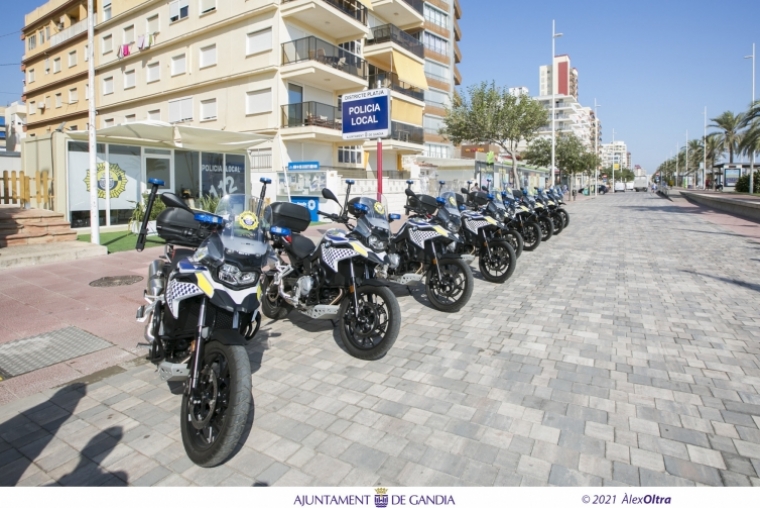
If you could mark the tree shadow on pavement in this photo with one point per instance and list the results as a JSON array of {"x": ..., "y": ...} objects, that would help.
[
  {"x": 29, "y": 432},
  {"x": 741, "y": 283},
  {"x": 88, "y": 472}
]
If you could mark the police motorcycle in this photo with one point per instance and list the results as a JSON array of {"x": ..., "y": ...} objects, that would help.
[
  {"x": 480, "y": 237},
  {"x": 556, "y": 194},
  {"x": 537, "y": 207},
  {"x": 499, "y": 211},
  {"x": 551, "y": 209},
  {"x": 203, "y": 307},
  {"x": 426, "y": 248},
  {"x": 336, "y": 279},
  {"x": 523, "y": 220}
]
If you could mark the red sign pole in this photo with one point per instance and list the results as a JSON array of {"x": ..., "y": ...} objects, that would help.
[{"x": 380, "y": 170}]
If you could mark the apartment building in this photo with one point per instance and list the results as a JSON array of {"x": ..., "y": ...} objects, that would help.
[
  {"x": 570, "y": 118},
  {"x": 559, "y": 78},
  {"x": 55, "y": 66},
  {"x": 616, "y": 153}
]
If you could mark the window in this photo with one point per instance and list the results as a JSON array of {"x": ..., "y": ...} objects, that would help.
[
  {"x": 107, "y": 44},
  {"x": 153, "y": 24},
  {"x": 208, "y": 109},
  {"x": 106, "y": 10},
  {"x": 436, "y": 17},
  {"x": 129, "y": 79},
  {"x": 73, "y": 58},
  {"x": 47, "y": 32},
  {"x": 207, "y": 6},
  {"x": 437, "y": 151},
  {"x": 32, "y": 108},
  {"x": 47, "y": 102},
  {"x": 87, "y": 91},
  {"x": 179, "y": 9},
  {"x": 432, "y": 124},
  {"x": 73, "y": 95},
  {"x": 437, "y": 71},
  {"x": 178, "y": 65},
  {"x": 154, "y": 115},
  {"x": 108, "y": 122},
  {"x": 208, "y": 56},
  {"x": 259, "y": 101},
  {"x": 30, "y": 77},
  {"x": 258, "y": 42},
  {"x": 350, "y": 154},
  {"x": 129, "y": 34},
  {"x": 58, "y": 100},
  {"x": 42, "y": 37},
  {"x": 354, "y": 47},
  {"x": 47, "y": 66},
  {"x": 261, "y": 158},
  {"x": 437, "y": 98},
  {"x": 130, "y": 118},
  {"x": 181, "y": 110},
  {"x": 107, "y": 86},
  {"x": 32, "y": 42},
  {"x": 56, "y": 65},
  {"x": 154, "y": 72},
  {"x": 437, "y": 44}
]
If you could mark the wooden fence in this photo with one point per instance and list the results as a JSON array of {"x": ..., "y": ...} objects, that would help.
[{"x": 22, "y": 190}]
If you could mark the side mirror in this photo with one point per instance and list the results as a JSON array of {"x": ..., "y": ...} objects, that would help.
[
  {"x": 172, "y": 201},
  {"x": 361, "y": 208},
  {"x": 410, "y": 193},
  {"x": 329, "y": 195}
]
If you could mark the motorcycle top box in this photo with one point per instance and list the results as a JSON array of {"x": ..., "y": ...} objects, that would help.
[{"x": 288, "y": 215}]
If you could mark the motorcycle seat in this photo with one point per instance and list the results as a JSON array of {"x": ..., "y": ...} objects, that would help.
[{"x": 302, "y": 246}]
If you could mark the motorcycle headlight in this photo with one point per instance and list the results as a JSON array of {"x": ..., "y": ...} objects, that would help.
[
  {"x": 232, "y": 275},
  {"x": 451, "y": 226},
  {"x": 376, "y": 244}
]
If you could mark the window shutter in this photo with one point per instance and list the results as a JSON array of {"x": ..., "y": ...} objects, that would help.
[
  {"x": 187, "y": 108},
  {"x": 174, "y": 10},
  {"x": 207, "y": 5},
  {"x": 259, "y": 41},
  {"x": 175, "y": 111}
]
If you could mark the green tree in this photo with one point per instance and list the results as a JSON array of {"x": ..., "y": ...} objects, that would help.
[
  {"x": 490, "y": 114},
  {"x": 571, "y": 156},
  {"x": 730, "y": 126}
]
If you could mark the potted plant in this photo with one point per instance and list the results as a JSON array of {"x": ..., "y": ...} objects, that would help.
[{"x": 135, "y": 222}]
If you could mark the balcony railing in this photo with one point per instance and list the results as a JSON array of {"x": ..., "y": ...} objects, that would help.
[
  {"x": 392, "y": 33},
  {"x": 352, "y": 8},
  {"x": 417, "y": 5},
  {"x": 407, "y": 133},
  {"x": 64, "y": 35},
  {"x": 390, "y": 80},
  {"x": 316, "y": 114},
  {"x": 313, "y": 48}
]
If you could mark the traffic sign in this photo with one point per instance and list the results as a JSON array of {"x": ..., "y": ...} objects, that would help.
[{"x": 367, "y": 115}]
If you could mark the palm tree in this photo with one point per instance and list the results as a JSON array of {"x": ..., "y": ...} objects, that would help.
[
  {"x": 730, "y": 125},
  {"x": 714, "y": 150},
  {"x": 696, "y": 154}
]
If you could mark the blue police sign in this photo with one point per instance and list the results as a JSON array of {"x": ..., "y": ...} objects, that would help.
[
  {"x": 367, "y": 115},
  {"x": 303, "y": 166},
  {"x": 311, "y": 203}
]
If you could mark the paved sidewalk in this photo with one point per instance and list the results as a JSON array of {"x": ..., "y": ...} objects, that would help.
[{"x": 622, "y": 352}]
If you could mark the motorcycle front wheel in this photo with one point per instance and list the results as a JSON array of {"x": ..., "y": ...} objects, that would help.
[
  {"x": 531, "y": 236},
  {"x": 369, "y": 333},
  {"x": 453, "y": 289},
  {"x": 214, "y": 415},
  {"x": 565, "y": 217},
  {"x": 516, "y": 240},
  {"x": 497, "y": 261},
  {"x": 557, "y": 222},
  {"x": 547, "y": 228}
]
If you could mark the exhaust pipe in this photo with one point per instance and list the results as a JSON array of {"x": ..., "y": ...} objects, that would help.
[{"x": 156, "y": 278}]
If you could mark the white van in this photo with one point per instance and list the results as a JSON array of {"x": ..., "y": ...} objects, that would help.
[
  {"x": 619, "y": 187},
  {"x": 629, "y": 186}
]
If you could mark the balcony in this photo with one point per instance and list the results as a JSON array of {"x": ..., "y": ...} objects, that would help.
[
  {"x": 404, "y": 139},
  {"x": 457, "y": 30},
  {"x": 340, "y": 19},
  {"x": 403, "y": 13},
  {"x": 312, "y": 120},
  {"x": 457, "y": 9},
  {"x": 457, "y": 76},
  {"x": 383, "y": 38},
  {"x": 390, "y": 80},
  {"x": 68, "y": 33},
  {"x": 321, "y": 64},
  {"x": 457, "y": 53}
]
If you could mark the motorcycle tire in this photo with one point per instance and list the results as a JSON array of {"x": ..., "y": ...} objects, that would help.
[
  {"x": 497, "y": 261},
  {"x": 558, "y": 223},
  {"x": 457, "y": 285},
  {"x": 372, "y": 334},
  {"x": 547, "y": 228},
  {"x": 273, "y": 307},
  {"x": 565, "y": 217},
  {"x": 531, "y": 236},
  {"x": 516, "y": 240},
  {"x": 211, "y": 429}
]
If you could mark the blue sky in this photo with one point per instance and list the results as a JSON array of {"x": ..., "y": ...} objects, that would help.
[{"x": 652, "y": 65}]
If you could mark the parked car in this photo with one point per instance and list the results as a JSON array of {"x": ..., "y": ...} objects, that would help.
[{"x": 619, "y": 187}]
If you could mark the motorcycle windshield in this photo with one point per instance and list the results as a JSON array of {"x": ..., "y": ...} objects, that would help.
[
  {"x": 377, "y": 216},
  {"x": 450, "y": 203},
  {"x": 243, "y": 235}
]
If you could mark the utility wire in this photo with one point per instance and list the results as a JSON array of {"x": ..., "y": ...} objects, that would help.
[
  {"x": 11, "y": 33},
  {"x": 10, "y": 64}
]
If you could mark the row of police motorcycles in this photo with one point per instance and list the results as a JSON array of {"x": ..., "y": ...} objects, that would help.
[{"x": 221, "y": 271}]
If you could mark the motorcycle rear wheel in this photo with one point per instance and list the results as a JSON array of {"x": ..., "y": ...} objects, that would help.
[
  {"x": 516, "y": 240},
  {"x": 497, "y": 261},
  {"x": 454, "y": 290},
  {"x": 213, "y": 418},
  {"x": 371, "y": 334},
  {"x": 547, "y": 228},
  {"x": 565, "y": 217},
  {"x": 558, "y": 223},
  {"x": 273, "y": 306},
  {"x": 531, "y": 236}
]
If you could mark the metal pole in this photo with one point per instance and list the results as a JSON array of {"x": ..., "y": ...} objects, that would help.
[
  {"x": 596, "y": 146},
  {"x": 752, "y": 149},
  {"x": 555, "y": 35},
  {"x": 678, "y": 151},
  {"x": 613, "y": 161},
  {"x": 94, "y": 212},
  {"x": 380, "y": 170},
  {"x": 704, "y": 153},
  {"x": 686, "y": 171}
]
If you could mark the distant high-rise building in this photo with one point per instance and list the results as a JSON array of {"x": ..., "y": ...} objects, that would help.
[
  {"x": 616, "y": 153},
  {"x": 519, "y": 90},
  {"x": 559, "y": 78}
]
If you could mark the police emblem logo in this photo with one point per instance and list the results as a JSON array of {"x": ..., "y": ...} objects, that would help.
[
  {"x": 117, "y": 181},
  {"x": 379, "y": 208},
  {"x": 452, "y": 201},
  {"x": 248, "y": 220},
  {"x": 381, "y": 497}
]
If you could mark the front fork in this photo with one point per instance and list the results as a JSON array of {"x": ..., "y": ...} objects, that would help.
[
  {"x": 353, "y": 289},
  {"x": 199, "y": 342}
]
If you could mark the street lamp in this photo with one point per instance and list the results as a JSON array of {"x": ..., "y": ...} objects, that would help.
[
  {"x": 752, "y": 149},
  {"x": 704, "y": 154},
  {"x": 596, "y": 145},
  {"x": 555, "y": 36},
  {"x": 94, "y": 212}
]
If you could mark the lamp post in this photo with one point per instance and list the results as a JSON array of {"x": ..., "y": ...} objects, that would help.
[
  {"x": 555, "y": 36},
  {"x": 686, "y": 162},
  {"x": 94, "y": 212},
  {"x": 704, "y": 154},
  {"x": 596, "y": 146},
  {"x": 613, "y": 160},
  {"x": 752, "y": 149}
]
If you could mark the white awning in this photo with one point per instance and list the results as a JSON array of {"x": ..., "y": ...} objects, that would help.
[{"x": 176, "y": 136}]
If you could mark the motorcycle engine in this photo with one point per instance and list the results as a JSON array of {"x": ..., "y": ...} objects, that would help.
[{"x": 303, "y": 287}]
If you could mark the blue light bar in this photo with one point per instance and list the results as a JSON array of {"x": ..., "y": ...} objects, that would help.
[
  {"x": 491, "y": 197},
  {"x": 350, "y": 182},
  {"x": 441, "y": 182},
  {"x": 440, "y": 201},
  {"x": 410, "y": 182},
  {"x": 360, "y": 207},
  {"x": 395, "y": 216},
  {"x": 207, "y": 218},
  {"x": 280, "y": 231},
  {"x": 156, "y": 181},
  {"x": 462, "y": 208},
  {"x": 265, "y": 180}
]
